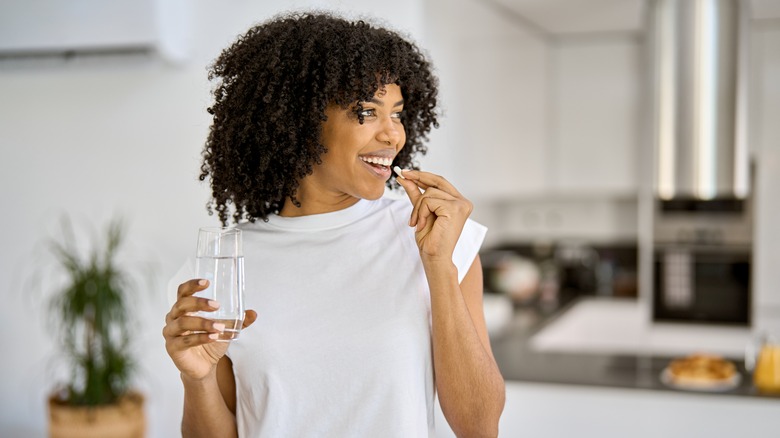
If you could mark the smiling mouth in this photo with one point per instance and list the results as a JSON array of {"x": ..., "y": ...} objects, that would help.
[
  {"x": 378, "y": 162},
  {"x": 379, "y": 165}
]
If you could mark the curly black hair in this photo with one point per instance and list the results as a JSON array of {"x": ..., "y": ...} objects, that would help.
[{"x": 274, "y": 84}]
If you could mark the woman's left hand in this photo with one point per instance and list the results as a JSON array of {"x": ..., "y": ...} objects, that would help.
[{"x": 439, "y": 213}]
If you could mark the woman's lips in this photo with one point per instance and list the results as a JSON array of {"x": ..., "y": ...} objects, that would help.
[
  {"x": 381, "y": 160},
  {"x": 378, "y": 170}
]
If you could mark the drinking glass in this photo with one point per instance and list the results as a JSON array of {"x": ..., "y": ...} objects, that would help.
[
  {"x": 220, "y": 260},
  {"x": 762, "y": 358}
]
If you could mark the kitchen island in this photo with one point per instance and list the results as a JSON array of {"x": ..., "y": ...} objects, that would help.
[{"x": 562, "y": 394}]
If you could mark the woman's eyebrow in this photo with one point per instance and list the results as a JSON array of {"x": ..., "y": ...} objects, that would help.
[{"x": 380, "y": 103}]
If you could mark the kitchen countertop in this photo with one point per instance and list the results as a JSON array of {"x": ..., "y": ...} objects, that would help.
[{"x": 518, "y": 361}]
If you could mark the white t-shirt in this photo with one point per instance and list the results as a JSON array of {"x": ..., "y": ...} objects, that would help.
[{"x": 342, "y": 344}]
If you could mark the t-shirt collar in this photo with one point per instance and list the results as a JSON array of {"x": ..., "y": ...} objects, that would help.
[{"x": 323, "y": 221}]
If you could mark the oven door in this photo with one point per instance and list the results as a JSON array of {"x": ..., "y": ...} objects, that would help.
[{"x": 702, "y": 285}]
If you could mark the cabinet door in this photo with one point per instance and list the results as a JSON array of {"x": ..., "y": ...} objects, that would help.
[
  {"x": 596, "y": 116},
  {"x": 494, "y": 84},
  {"x": 501, "y": 116},
  {"x": 766, "y": 140}
]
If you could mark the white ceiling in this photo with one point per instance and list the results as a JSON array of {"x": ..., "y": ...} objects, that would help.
[{"x": 575, "y": 16}]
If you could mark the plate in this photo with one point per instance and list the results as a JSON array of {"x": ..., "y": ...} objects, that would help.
[{"x": 714, "y": 386}]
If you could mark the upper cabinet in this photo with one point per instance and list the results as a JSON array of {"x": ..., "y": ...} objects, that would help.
[
  {"x": 503, "y": 118},
  {"x": 561, "y": 17},
  {"x": 543, "y": 98},
  {"x": 529, "y": 113},
  {"x": 494, "y": 85},
  {"x": 595, "y": 129}
]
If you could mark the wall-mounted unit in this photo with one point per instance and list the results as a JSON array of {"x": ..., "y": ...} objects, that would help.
[{"x": 41, "y": 28}]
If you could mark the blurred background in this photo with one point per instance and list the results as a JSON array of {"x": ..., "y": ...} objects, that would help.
[{"x": 599, "y": 266}]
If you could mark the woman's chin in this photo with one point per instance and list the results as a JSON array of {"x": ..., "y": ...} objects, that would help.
[{"x": 373, "y": 195}]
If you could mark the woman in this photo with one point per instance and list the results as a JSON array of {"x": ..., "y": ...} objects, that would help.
[{"x": 363, "y": 299}]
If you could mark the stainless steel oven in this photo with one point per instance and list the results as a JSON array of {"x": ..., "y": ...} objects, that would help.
[
  {"x": 709, "y": 284},
  {"x": 702, "y": 261}
]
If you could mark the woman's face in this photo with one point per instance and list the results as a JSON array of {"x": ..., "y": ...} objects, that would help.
[{"x": 358, "y": 159}]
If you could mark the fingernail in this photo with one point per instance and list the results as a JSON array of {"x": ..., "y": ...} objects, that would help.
[
  {"x": 399, "y": 172},
  {"x": 214, "y": 336},
  {"x": 213, "y": 304},
  {"x": 219, "y": 327},
  {"x": 201, "y": 282}
]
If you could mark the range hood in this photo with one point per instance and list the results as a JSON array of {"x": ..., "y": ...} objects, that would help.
[{"x": 698, "y": 70}]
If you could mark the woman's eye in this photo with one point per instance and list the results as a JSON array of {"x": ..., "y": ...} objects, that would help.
[
  {"x": 397, "y": 115},
  {"x": 368, "y": 112}
]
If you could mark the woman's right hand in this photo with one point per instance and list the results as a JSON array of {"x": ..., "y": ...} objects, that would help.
[{"x": 191, "y": 340}]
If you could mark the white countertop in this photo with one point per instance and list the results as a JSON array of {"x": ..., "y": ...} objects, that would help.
[{"x": 622, "y": 326}]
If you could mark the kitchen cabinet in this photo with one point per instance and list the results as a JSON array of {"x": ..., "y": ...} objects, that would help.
[
  {"x": 494, "y": 80},
  {"x": 553, "y": 410},
  {"x": 596, "y": 122},
  {"x": 765, "y": 137},
  {"x": 529, "y": 114},
  {"x": 502, "y": 118}
]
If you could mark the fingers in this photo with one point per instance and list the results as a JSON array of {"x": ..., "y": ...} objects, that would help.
[
  {"x": 430, "y": 208},
  {"x": 184, "y": 330},
  {"x": 180, "y": 343},
  {"x": 190, "y": 287},
  {"x": 420, "y": 212},
  {"x": 421, "y": 185},
  {"x": 189, "y": 304},
  {"x": 411, "y": 189},
  {"x": 249, "y": 317},
  {"x": 187, "y": 324},
  {"x": 191, "y": 331},
  {"x": 426, "y": 180}
]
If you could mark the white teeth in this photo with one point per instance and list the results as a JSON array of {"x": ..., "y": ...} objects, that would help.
[{"x": 377, "y": 160}]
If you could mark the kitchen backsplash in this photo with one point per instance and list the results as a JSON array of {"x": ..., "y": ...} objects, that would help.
[
  {"x": 549, "y": 275},
  {"x": 585, "y": 219}
]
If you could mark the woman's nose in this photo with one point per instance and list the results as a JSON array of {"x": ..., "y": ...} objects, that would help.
[{"x": 390, "y": 132}]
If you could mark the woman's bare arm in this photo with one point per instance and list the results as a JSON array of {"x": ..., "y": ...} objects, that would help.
[
  {"x": 471, "y": 389},
  {"x": 468, "y": 381},
  {"x": 208, "y": 409}
]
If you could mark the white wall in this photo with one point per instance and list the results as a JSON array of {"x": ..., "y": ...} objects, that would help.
[{"x": 93, "y": 139}]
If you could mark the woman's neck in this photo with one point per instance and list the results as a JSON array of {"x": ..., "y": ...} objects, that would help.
[{"x": 310, "y": 204}]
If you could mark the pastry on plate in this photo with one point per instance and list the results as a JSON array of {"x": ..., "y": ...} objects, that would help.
[{"x": 701, "y": 371}]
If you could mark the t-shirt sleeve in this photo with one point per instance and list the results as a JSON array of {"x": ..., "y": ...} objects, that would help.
[{"x": 468, "y": 245}]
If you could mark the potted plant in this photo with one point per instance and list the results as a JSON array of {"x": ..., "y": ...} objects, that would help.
[{"x": 90, "y": 315}]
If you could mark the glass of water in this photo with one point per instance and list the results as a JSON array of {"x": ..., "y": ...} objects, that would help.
[{"x": 220, "y": 260}]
